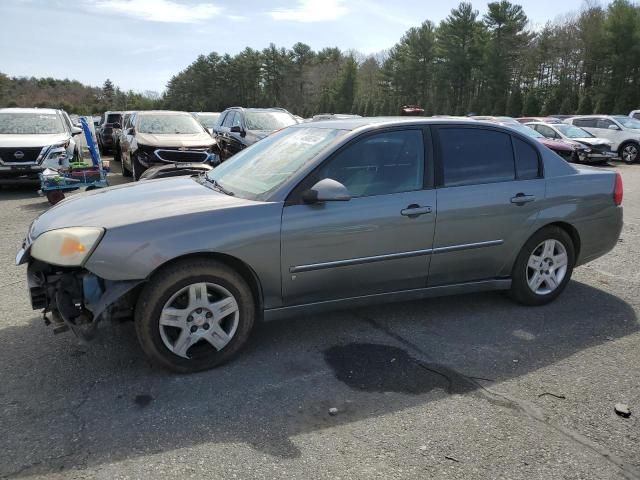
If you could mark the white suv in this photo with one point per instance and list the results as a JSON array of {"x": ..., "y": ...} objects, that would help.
[
  {"x": 624, "y": 132},
  {"x": 32, "y": 139}
]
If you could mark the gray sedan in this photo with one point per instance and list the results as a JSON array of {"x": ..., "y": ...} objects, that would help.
[{"x": 320, "y": 216}]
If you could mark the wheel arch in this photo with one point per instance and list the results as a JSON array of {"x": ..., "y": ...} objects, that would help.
[
  {"x": 625, "y": 143},
  {"x": 246, "y": 272},
  {"x": 571, "y": 231}
]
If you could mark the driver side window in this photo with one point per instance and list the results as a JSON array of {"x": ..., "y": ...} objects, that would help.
[{"x": 380, "y": 164}]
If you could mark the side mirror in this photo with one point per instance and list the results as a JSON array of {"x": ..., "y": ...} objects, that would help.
[
  {"x": 326, "y": 190},
  {"x": 613, "y": 127},
  {"x": 117, "y": 125},
  {"x": 236, "y": 129},
  {"x": 131, "y": 131},
  {"x": 75, "y": 131}
]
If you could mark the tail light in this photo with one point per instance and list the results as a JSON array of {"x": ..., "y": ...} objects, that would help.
[{"x": 618, "y": 191}]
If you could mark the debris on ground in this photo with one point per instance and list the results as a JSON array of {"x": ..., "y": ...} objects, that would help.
[
  {"x": 561, "y": 397},
  {"x": 453, "y": 459},
  {"x": 622, "y": 409},
  {"x": 423, "y": 448},
  {"x": 333, "y": 411}
]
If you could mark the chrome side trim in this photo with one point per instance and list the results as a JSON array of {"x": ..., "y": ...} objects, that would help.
[
  {"x": 401, "y": 296},
  {"x": 391, "y": 256},
  {"x": 358, "y": 261},
  {"x": 468, "y": 246}
]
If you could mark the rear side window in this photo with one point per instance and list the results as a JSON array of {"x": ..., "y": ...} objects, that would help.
[
  {"x": 585, "y": 122},
  {"x": 473, "y": 156},
  {"x": 527, "y": 162},
  {"x": 604, "y": 123}
]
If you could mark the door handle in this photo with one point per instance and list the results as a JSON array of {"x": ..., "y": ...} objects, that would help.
[
  {"x": 414, "y": 210},
  {"x": 521, "y": 199}
]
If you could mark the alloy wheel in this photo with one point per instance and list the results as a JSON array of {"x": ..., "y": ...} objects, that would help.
[
  {"x": 630, "y": 153},
  {"x": 199, "y": 316},
  {"x": 547, "y": 267}
]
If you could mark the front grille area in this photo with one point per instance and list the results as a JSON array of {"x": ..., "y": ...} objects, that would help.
[
  {"x": 601, "y": 148},
  {"x": 29, "y": 155},
  {"x": 182, "y": 155}
]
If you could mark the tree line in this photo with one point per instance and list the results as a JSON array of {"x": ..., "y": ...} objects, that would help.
[
  {"x": 71, "y": 95},
  {"x": 490, "y": 64},
  {"x": 494, "y": 64}
]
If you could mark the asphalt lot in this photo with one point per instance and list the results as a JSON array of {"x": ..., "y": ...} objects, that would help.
[{"x": 460, "y": 387}]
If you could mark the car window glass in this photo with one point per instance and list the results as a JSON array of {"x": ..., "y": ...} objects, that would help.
[
  {"x": 603, "y": 123},
  {"x": 228, "y": 120},
  {"x": 547, "y": 131},
  {"x": 237, "y": 120},
  {"x": 527, "y": 163},
  {"x": 473, "y": 156},
  {"x": 221, "y": 119},
  {"x": 388, "y": 162},
  {"x": 585, "y": 122}
]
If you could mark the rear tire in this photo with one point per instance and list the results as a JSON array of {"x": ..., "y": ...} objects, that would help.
[
  {"x": 543, "y": 267},
  {"x": 163, "y": 329}
]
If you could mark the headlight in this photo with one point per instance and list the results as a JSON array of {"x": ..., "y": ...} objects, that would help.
[{"x": 66, "y": 247}]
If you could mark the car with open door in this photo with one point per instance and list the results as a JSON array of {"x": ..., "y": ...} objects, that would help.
[{"x": 315, "y": 217}]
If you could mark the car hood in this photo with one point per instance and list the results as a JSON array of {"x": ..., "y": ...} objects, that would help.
[
  {"x": 556, "y": 144},
  {"x": 25, "y": 141},
  {"x": 175, "y": 139},
  {"x": 593, "y": 141},
  {"x": 260, "y": 134},
  {"x": 134, "y": 203}
]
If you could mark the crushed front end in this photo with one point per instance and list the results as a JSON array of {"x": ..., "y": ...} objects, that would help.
[{"x": 73, "y": 298}]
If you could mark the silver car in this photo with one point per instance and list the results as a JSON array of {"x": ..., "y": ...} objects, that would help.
[{"x": 320, "y": 216}]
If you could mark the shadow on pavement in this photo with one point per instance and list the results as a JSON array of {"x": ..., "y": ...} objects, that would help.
[{"x": 67, "y": 405}]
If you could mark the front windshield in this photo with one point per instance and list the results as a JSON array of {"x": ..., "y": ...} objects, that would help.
[
  {"x": 266, "y": 165},
  {"x": 208, "y": 120},
  {"x": 168, "y": 124},
  {"x": 572, "y": 131},
  {"x": 268, "y": 120},
  {"x": 628, "y": 122},
  {"x": 14, "y": 123},
  {"x": 526, "y": 130}
]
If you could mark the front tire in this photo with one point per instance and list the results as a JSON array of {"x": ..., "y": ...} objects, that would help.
[
  {"x": 137, "y": 168},
  {"x": 194, "y": 315},
  {"x": 629, "y": 152},
  {"x": 543, "y": 267}
]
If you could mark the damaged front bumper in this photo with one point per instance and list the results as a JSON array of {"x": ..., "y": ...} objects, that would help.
[{"x": 76, "y": 299}]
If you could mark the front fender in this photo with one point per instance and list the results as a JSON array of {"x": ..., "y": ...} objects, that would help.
[{"x": 249, "y": 234}]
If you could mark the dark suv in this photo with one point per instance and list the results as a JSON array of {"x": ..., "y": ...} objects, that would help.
[
  {"x": 104, "y": 132},
  {"x": 238, "y": 127},
  {"x": 162, "y": 137}
]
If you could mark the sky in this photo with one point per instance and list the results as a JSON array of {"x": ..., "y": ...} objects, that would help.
[{"x": 141, "y": 44}]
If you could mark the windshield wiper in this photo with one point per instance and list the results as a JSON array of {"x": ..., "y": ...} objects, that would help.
[{"x": 217, "y": 186}]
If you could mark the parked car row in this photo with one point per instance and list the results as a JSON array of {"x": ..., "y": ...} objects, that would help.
[{"x": 585, "y": 138}]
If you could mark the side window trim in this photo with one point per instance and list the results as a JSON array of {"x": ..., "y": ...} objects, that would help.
[{"x": 295, "y": 196}]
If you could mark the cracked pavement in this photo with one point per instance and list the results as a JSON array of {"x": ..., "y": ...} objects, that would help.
[{"x": 471, "y": 386}]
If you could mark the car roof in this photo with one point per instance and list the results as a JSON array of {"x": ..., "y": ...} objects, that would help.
[
  {"x": 354, "y": 123},
  {"x": 162, "y": 112},
  {"x": 29, "y": 110}
]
